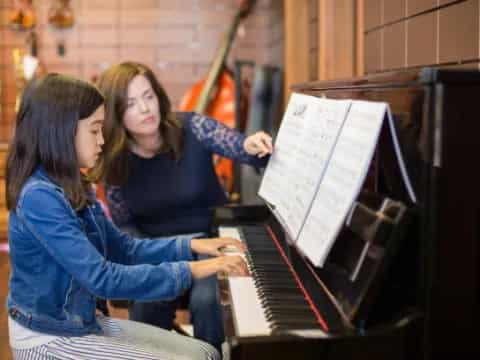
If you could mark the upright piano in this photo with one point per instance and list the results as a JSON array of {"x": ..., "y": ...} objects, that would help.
[{"x": 417, "y": 295}]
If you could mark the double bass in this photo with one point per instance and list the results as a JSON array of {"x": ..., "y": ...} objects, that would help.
[{"x": 215, "y": 95}]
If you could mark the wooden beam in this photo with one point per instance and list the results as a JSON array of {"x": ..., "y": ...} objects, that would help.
[
  {"x": 336, "y": 34},
  {"x": 323, "y": 39},
  {"x": 3, "y": 210},
  {"x": 297, "y": 43},
  {"x": 359, "y": 19}
]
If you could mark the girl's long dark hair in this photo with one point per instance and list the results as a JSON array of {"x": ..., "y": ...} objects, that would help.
[
  {"x": 44, "y": 136},
  {"x": 113, "y": 83}
]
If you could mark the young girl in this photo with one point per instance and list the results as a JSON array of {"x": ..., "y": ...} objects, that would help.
[{"x": 65, "y": 253}]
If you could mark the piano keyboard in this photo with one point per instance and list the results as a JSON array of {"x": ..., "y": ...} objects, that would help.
[{"x": 270, "y": 301}]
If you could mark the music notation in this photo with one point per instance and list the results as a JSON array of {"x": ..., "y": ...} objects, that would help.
[
  {"x": 343, "y": 179},
  {"x": 322, "y": 153},
  {"x": 306, "y": 138}
]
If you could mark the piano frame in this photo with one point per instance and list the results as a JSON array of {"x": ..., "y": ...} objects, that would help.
[{"x": 435, "y": 112}]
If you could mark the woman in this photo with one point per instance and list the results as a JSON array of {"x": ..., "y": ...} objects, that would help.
[
  {"x": 161, "y": 181},
  {"x": 65, "y": 253}
]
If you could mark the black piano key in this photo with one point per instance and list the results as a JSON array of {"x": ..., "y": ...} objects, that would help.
[
  {"x": 293, "y": 322},
  {"x": 271, "y": 290},
  {"x": 273, "y": 277},
  {"x": 284, "y": 310},
  {"x": 262, "y": 268},
  {"x": 281, "y": 298},
  {"x": 286, "y": 306},
  {"x": 265, "y": 258},
  {"x": 285, "y": 298},
  {"x": 280, "y": 319},
  {"x": 293, "y": 319}
]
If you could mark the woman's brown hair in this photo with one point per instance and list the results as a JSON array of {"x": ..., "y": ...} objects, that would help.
[
  {"x": 44, "y": 136},
  {"x": 113, "y": 83}
]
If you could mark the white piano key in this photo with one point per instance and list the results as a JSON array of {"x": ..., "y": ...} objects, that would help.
[
  {"x": 230, "y": 231},
  {"x": 248, "y": 316}
]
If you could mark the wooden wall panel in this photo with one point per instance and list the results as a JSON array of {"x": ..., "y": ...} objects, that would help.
[
  {"x": 417, "y": 6},
  {"x": 394, "y": 10},
  {"x": 445, "y": 2},
  {"x": 394, "y": 50},
  {"x": 459, "y": 32},
  {"x": 373, "y": 51},
  {"x": 425, "y": 32},
  {"x": 373, "y": 14},
  {"x": 422, "y": 40}
]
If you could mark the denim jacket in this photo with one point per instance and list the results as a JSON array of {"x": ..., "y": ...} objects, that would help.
[{"x": 61, "y": 260}]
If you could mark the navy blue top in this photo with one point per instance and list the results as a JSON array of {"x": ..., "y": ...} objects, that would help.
[{"x": 164, "y": 196}]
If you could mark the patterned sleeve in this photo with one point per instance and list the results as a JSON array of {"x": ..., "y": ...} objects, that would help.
[
  {"x": 222, "y": 140},
  {"x": 121, "y": 216}
]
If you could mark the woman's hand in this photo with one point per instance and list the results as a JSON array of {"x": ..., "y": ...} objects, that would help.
[
  {"x": 215, "y": 245},
  {"x": 259, "y": 144},
  {"x": 232, "y": 265}
]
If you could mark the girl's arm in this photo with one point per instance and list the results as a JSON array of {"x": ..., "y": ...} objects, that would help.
[
  {"x": 125, "y": 249},
  {"x": 52, "y": 222}
]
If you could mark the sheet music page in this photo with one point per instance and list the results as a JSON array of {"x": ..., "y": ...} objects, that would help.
[
  {"x": 326, "y": 118},
  {"x": 398, "y": 153},
  {"x": 343, "y": 179},
  {"x": 305, "y": 141},
  {"x": 276, "y": 187}
]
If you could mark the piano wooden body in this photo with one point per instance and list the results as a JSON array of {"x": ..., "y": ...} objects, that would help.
[{"x": 424, "y": 301}]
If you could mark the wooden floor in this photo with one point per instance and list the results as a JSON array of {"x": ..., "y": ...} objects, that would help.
[
  {"x": 4, "y": 274},
  {"x": 5, "y": 354}
]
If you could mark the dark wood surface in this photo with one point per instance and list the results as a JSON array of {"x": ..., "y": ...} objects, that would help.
[{"x": 4, "y": 274}]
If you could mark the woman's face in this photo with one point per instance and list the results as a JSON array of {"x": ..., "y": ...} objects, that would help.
[
  {"x": 142, "y": 115},
  {"x": 89, "y": 138}
]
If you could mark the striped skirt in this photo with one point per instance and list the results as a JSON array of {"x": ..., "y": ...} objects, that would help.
[{"x": 122, "y": 340}]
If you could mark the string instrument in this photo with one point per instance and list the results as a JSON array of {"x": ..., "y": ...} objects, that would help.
[
  {"x": 26, "y": 65},
  {"x": 215, "y": 96},
  {"x": 60, "y": 15},
  {"x": 22, "y": 16}
]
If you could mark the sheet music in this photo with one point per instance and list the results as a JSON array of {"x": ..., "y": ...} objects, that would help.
[
  {"x": 342, "y": 180},
  {"x": 305, "y": 141}
]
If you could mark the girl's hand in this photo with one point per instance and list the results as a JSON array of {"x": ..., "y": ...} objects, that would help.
[
  {"x": 233, "y": 265},
  {"x": 259, "y": 144},
  {"x": 214, "y": 246}
]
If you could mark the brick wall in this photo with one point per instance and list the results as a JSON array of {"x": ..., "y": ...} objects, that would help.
[{"x": 177, "y": 38}]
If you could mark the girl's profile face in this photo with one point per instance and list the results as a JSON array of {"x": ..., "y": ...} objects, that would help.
[
  {"x": 142, "y": 114},
  {"x": 89, "y": 138}
]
